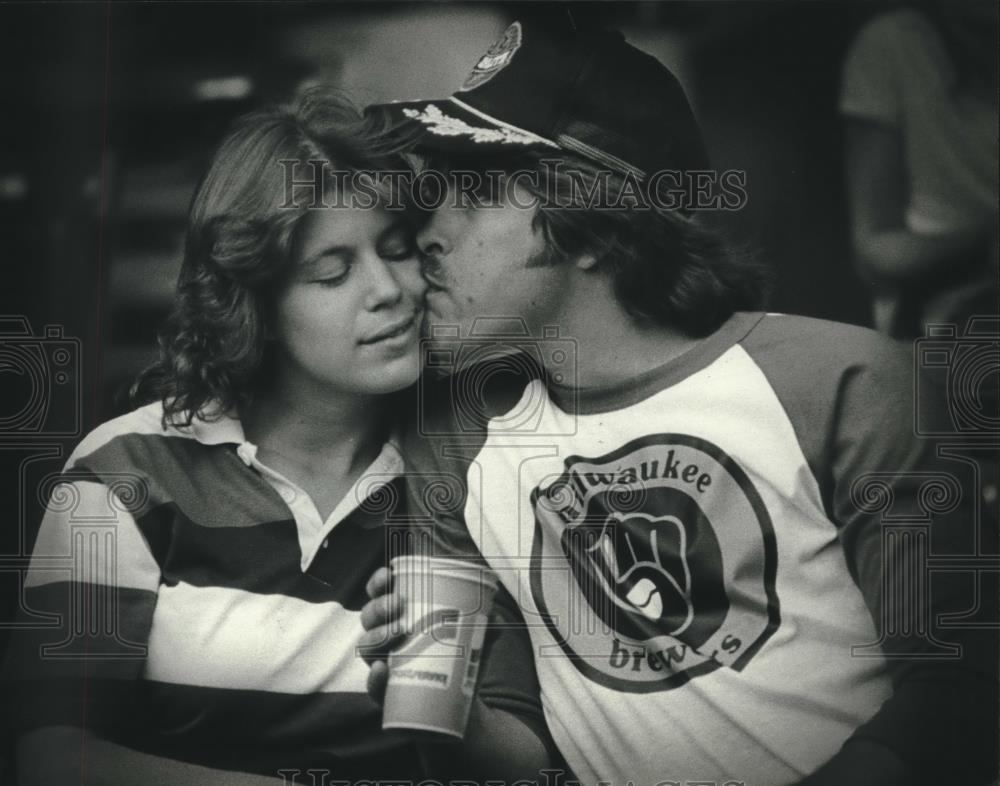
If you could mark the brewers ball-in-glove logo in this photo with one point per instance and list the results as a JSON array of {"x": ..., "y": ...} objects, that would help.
[
  {"x": 671, "y": 558},
  {"x": 496, "y": 57}
]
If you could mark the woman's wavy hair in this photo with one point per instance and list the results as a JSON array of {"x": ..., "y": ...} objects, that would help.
[
  {"x": 669, "y": 267},
  {"x": 273, "y": 167}
]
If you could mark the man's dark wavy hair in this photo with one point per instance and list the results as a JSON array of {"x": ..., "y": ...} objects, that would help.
[
  {"x": 240, "y": 234},
  {"x": 669, "y": 267}
]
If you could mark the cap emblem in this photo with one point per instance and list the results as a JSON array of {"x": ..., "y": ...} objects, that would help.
[{"x": 496, "y": 58}]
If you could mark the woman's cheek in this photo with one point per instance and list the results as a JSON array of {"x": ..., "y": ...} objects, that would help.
[{"x": 412, "y": 280}]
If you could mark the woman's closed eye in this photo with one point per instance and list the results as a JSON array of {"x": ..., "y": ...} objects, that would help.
[
  {"x": 330, "y": 270},
  {"x": 332, "y": 281}
]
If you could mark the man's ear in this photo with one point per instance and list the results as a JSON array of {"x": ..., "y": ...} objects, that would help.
[{"x": 586, "y": 262}]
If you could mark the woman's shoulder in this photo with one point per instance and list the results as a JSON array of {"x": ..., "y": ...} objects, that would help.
[{"x": 146, "y": 420}]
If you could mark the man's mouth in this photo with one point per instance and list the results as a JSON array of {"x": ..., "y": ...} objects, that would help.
[
  {"x": 430, "y": 269},
  {"x": 434, "y": 285},
  {"x": 394, "y": 330}
]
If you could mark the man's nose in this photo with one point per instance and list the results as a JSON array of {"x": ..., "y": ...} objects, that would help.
[{"x": 431, "y": 241}]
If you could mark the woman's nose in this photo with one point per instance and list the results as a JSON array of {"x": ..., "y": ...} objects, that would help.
[{"x": 384, "y": 287}]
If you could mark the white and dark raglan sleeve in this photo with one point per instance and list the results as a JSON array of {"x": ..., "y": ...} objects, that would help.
[{"x": 850, "y": 395}]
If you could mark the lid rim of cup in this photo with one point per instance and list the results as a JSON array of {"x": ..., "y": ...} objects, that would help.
[{"x": 458, "y": 568}]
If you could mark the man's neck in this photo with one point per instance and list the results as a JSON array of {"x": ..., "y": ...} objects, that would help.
[{"x": 611, "y": 345}]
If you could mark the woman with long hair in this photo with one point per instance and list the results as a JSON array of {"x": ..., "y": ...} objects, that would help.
[{"x": 206, "y": 553}]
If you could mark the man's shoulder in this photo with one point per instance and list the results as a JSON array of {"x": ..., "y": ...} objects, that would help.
[
  {"x": 820, "y": 348},
  {"x": 822, "y": 370}
]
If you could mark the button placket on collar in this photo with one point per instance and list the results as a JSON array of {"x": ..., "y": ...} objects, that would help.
[
  {"x": 247, "y": 452},
  {"x": 388, "y": 464},
  {"x": 313, "y": 533},
  {"x": 302, "y": 508}
]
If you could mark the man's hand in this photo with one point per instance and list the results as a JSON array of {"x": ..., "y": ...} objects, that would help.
[
  {"x": 379, "y": 618},
  {"x": 498, "y": 744}
]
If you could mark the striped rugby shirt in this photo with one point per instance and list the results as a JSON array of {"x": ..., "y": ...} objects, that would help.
[
  {"x": 210, "y": 615},
  {"x": 696, "y": 552}
]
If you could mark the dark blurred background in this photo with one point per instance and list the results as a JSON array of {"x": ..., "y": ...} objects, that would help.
[{"x": 110, "y": 111}]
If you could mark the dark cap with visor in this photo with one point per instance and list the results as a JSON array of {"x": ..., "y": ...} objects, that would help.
[{"x": 585, "y": 92}]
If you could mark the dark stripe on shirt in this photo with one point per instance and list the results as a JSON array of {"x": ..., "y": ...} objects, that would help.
[
  {"x": 254, "y": 730},
  {"x": 207, "y": 488},
  {"x": 100, "y": 632},
  {"x": 256, "y": 559}
]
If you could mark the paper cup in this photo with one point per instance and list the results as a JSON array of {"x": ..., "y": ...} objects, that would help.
[{"x": 432, "y": 675}]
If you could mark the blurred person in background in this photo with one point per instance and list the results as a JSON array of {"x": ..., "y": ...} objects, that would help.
[
  {"x": 213, "y": 641},
  {"x": 919, "y": 99}
]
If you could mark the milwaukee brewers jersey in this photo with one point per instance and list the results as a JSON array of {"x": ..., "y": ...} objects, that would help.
[{"x": 696, "y": 552}]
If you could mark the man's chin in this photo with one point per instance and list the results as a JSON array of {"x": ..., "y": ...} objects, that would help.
[{"x": 437, "y": 316}]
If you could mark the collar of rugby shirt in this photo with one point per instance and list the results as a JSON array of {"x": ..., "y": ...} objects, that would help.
[{"x": 312, "y": 530}]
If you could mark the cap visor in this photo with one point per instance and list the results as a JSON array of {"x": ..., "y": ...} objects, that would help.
[{"x": 447, "y": 126}]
